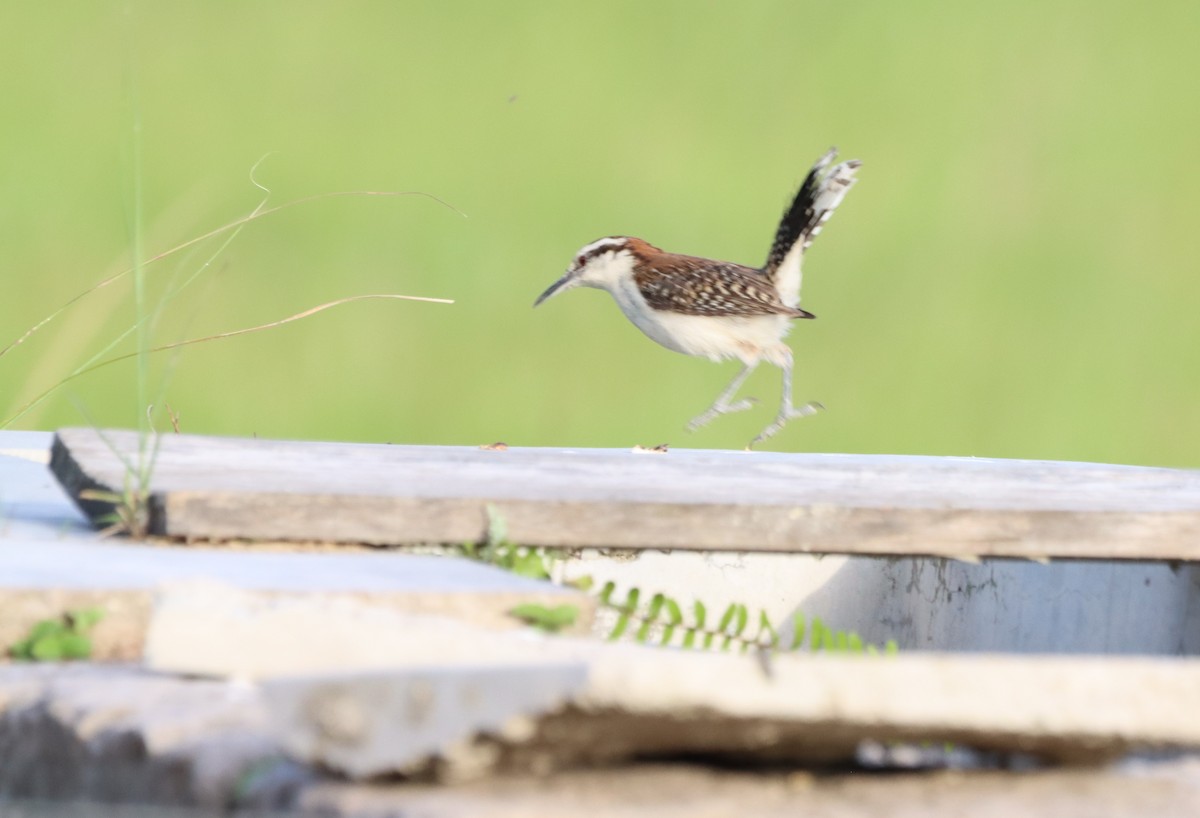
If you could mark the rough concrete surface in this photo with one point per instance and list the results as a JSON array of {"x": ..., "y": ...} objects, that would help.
[
  {"x": 407, "y": 720},
  {"x": 119, "y": 734},
  {"x": 990, "y": 605},
  {"x": 42, "y": 580},
  {"x": 33, "y": 505},
  {"x": 116, "y": 733},
  {"x": 52, "y": 561},
  {"x": 213, "y": 629},
  {"x": 646, "y": 701}
]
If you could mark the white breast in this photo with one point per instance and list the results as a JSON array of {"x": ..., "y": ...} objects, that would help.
[{"x": 718, "y": 338}]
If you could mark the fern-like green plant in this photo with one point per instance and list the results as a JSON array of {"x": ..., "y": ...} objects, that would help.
[{"x": 661, "y": 621}]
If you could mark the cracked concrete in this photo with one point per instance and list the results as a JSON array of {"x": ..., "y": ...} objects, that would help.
[
  {"x": 120, "y": 733},
  {"x": 349, "y": 682}
]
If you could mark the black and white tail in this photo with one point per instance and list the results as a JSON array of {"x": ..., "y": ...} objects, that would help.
[{"x": 815, "y": 202}]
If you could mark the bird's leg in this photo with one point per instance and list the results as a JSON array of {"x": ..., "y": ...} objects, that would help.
[
  {"x": 722, "y": 406},
  {"x": 786, "y": 410}
]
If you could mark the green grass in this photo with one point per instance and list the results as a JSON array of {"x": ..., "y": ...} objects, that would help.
[{"x": 1014, "y": 276}]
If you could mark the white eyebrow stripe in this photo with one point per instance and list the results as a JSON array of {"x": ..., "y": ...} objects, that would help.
[{"x": 610, "y": 242}]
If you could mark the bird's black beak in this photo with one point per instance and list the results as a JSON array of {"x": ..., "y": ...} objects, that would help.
[{"x": 553, "y": 288}]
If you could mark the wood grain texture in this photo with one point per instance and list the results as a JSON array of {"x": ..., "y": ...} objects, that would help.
[{"x": 210, "y": 487}]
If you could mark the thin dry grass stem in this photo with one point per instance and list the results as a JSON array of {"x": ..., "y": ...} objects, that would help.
[
  {"x": 220, "y": 335},
  {"x": 272, "y": 324},
  {"x": 258, "y": 213}
]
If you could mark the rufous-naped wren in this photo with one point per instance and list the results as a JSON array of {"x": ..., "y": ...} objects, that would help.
[{"x": 717, "y": 309}]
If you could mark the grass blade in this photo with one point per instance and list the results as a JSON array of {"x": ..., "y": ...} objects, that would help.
[
  {"x": 217, "y": 337},
  {"x": 258, "y": 213}
]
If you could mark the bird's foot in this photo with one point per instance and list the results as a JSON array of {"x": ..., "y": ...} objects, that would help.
[
  {"x": 717, "y": 409},
  {"x": 788, "y": 413}
]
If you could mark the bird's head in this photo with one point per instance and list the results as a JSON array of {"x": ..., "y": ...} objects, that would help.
[{"x": 602, "y": 264}]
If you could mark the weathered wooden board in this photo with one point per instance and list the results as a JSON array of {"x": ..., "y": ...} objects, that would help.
[{"x": 207, "y": 487}]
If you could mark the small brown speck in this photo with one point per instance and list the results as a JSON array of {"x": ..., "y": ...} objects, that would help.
[
  {"x": 498, "y": 446},
  {"x": 659, "y": 449}
]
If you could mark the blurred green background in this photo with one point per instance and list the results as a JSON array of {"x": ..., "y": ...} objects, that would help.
[{"x": 1014, "y": 276}]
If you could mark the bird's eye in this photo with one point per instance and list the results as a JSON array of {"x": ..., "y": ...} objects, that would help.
[{"x": 578, "y": 261}]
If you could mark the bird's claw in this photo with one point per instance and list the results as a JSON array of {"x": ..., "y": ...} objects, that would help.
[
  {"x": 789, "y": 413},
  {"x": 718, "y": 409}
]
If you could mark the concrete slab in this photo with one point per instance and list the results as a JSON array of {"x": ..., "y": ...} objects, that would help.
[
  {"x": 206, "y": 628},
  {"x": 119, "y": 734},
  {"x": 645, "y": 701},
  {"x": 924, "y": 603},
  {"x": 28, "y": 445},
  {"x": 438, "y": 682},
  {"x": 816, "y": 706},
  {"x": 52, "y": 561},
  {"x": 33, "y": 506},
  {"x": 122, "y": 734},
  {"x": 930, "y": 603},
  {"x": 211, "y": 487},
  {"x": 123, "y": 737},
  {"x": 97, "y": 565},
  {"x": 43, "y": 579},
  {"x": 412, "y": 722}
]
